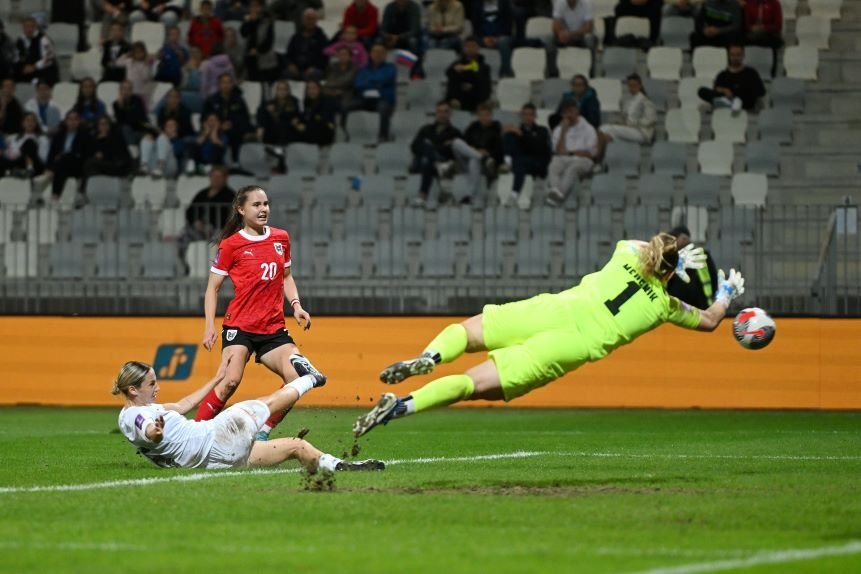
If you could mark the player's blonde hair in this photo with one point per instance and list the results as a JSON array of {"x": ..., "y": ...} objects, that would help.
[
  {"x": 132, "y": 374},
  {"x": 660, "y": 256}
]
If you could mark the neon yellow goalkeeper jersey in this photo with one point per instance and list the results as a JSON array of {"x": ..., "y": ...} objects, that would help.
[{"x": 623, "y": 303}]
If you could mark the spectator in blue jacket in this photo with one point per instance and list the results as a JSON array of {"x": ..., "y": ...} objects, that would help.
[
  {"x": 493, "y": 24},
  {"x": 229, "y": 105},
  {"x": 171, "y": 58},
  {"x": 586, "y": 99},
  {"x": 375, "y": 88}
]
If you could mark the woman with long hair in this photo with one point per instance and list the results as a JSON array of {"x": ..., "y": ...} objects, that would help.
[
  {"x": 535, "y": 341},
  {"x": 88, "y": 105},
  {"x": 318, "y": 115},
  {"x": 257, "y": 259},
  {"x": 27, "y": 151}
]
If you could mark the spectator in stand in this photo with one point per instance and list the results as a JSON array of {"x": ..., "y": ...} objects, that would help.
[
  {"x": 639, "y": 117},
  {"x": 523, "y": 10},
  {"x": 292, "y": 10},
  {"x": 171, "y": 58},
  {"x": 112, "y": 12},
  {"x": 113, "y": 49},
  {"x": 164, "y": 155},
  {"x": 191, "y": 86},
  {"x": 365, "y": 17},
  {"x": 650, "y": 9},
  {"x": 469, "y": 83},
  {"x": 401, "y": 28},
  {"x": 212, "y": 69},
  {"x": 737, "y": 87},
  {"x": 575, "y": 146},
  {"x": 375, "y": 89},
  {"x": 433, "y": 156},
  {"x": 229, "y": 105},
  {"x": 349, "y": 41},
  {"x": 340, "y": 78},
  {"x": 139, "y": 70},
  {"x": 258, "y": 30},
  {"x": 445, "y": 24},
  {"x": 36, "y": 59},
  {"x": 279, "y": 122},
  {"x": 26, "y": 152},
  {"x": 66, "y": 155},
  {"x": 586, "y": 99},
  {"x": 700, "y": 292},
  {"x": 46, "y": 111},
  {"x": 318, "y": 115},
  {"x": 527, "y": 151},
  {"x": 228, "y": 10},
  {"x": 108, "y": 153},
  {"x": 208, "y": 211},
  {"x": 89, "y": 107},
  {"x": 492, "y": 23},
  {"x": 235, "y": 52},
  {"x": 682, "y": 8},
  {"x": 763, "y": 26},
  {"x": 481, "y": 151},
  {"x": 8, "y": 54},
  {"x": 210, "y": 147},
  {"x": 11, "y": 111},
  {"x": 168, "y": 12},
  {"x": 305, "y": 52},
  {"x": 205, "y": 29},
  {"x": 172, "y": 108},
  {"x": 718, "y": 23},
  {"x": 573, "y": 24},
  {"x": 131, "y": 116}
]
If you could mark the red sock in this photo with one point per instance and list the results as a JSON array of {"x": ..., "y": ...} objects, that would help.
[
  {"x": 276, "y": 418},
  {"x": 210, "y": 406}
]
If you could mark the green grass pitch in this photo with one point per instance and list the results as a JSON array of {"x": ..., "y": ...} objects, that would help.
[{"x": 468, "y": 490}]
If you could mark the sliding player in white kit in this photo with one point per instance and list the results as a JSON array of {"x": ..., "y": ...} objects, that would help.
[{"x": 162, "y": 434}]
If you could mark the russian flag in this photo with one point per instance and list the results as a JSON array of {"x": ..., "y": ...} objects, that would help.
[{"x": 406, "y": 58}]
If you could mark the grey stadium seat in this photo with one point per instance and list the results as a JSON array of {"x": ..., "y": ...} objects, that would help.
[
  {"x": 436, "y": 62},
  {"x": 378, "y": 191},
  {"x": 738, "y": 222},
  {"x": 623, "y": 158},
  {"x": 317, "y": 225},
  {"x": 133, "y": 225},
  {"x": 404, "y": 126},
  {"x": 501, "y": 223},
  {"x": 670, "y": 158},
  {"x": 437, "y": 258},
  {"x": 424, "y": 94},
  {"x": 609, "y": 190},
  {"x": 485, "y": 258},
  {"x": 87, "y": 225},
  {"x": 789, "y": 92},
  {"x": 454, "y": 223},
  {"x": 252, "y": 158},
  {"x": 104, "y": 191},
  {"x": 641, "y": 221},
  {"x": 331, "y": 190},
  {"x": 344, "y": 259},
  {"x": 393, "y": 158},
  {"x": 656, "y": 189},
  {"x": 532, "y": 258},
  {"x": 760, "y": 59},
  {"x": 763, "y": 157},
  {"x": 552, "y": 90},
  {"x": 657, "y": 91},
  {"x": 390, "y": 258},
  {"x": 582, "y": 257},
  {"x": 285, "y": 191},
  {"x": 66, "y": 260},
  {"x": 363, "y": 127},
  {"x": 775, "y": 124},
  {"x": 159, "y": 260},
  {"x": 547, "y": 223},
  {"x": 361, "y": 224},
  {"x": 493, "y": 61},
  {"x": 619, "y": 62},
  {"x": 408, "y": 224},
  {"x": 64, "y": 37},
  {"x": 461, "y": 119},
  {"x": 112, "y": 260},
  {"x": 676, "y": 31},
  {"x": 346, "y": 159},
  {"x": 303, "y": 158},
  {"x": 701, "y": 189},
  {"x": 595, "y": 223}
]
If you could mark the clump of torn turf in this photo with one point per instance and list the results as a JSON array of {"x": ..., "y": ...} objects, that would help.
[
  {"x": 320, "y": 481},
  {"x": 353, "y": 452},
  {"x": 303, "y": 432}
]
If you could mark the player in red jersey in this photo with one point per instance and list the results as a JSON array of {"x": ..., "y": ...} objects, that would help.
[{"x": 256, "y": 257}]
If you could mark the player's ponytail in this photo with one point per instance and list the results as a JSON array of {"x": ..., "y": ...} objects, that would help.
[
  {"x": 132, "y": 374},
  {"x": 234, "y": 223},
  {"x": 660, "y": 256}
]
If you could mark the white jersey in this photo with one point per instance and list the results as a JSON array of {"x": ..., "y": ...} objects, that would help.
[{"x": 185, "y": 444}]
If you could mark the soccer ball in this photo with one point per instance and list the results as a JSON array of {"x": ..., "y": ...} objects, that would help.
[{"x": 753, "y": 328}]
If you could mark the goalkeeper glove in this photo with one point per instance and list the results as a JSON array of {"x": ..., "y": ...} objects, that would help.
[
  {"x": 729, "y": 287},
  {"x": 690, "y": 258}
]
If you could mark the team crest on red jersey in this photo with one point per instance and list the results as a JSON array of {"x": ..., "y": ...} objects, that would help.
[{"x": 278, "y": 249}]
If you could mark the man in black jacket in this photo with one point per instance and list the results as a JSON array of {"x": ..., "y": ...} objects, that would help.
[
  {"x": 114, "y": 47},
  {"x": 305, "y": 57},
  {"x": 36, "y": 59},
  {"x": 469, "y": 81},
  {"x": 229, "y": 105},
  {"x": 481, "y": 150},
  {"x": 69, "y": 147},
  {"x": 527, "y": 152},
  {"x": 432, "y": 152},
  {"x": 737, "y": 87},
  {"x": 703, "y": 285}
]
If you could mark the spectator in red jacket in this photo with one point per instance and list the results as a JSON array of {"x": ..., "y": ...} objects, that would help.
[
  {"x": 205, "y": 29},
  {"x": 365, "y": 17},
  {"x": 763, "y": 25}
]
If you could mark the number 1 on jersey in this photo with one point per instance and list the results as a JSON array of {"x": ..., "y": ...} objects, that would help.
[
  {"x": 269, "y": 271},
  {"x": 614, "y": 304}
]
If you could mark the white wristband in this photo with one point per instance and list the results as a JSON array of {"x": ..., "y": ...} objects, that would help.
[{"x": 293, "y": 303}]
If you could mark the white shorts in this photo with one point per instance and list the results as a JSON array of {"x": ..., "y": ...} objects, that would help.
[
  {"x": 234, "y": 430},
  {"x": 624, "y": 133}
]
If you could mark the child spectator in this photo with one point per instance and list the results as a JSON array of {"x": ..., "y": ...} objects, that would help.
[
  {"x": 229, "y": 105},
  {"x": 205, "y": 29},
  {"x": 116, "y": 46},
  {"x": 163, "y": 156},
  {"x": 191, "y": 86},
  {"x": 47, "y": 113},
  {"x": 210, "y": 146},
  {"x": 26, "y": 152},
  {"x": 172, "y": 108},
  {"x": 212, "y": 69},
  {"x": 340, "y": 77},
  {"x": 349, "y": 41},
  {"x": 139, "y": 70}
]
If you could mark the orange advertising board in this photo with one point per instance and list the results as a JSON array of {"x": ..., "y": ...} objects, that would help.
[{"x": 812, "y": 364}]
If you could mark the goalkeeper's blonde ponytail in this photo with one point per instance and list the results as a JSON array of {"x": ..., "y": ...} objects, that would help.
[{"x": 660, "y": 256}]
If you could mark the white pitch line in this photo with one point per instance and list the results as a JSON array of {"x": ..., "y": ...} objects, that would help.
[{"x": 771, "y": 557}]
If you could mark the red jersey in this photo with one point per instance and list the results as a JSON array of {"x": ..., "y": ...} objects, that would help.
[
  {"x": 366, "y": 22},
  {"x": 255, "y": 264}
]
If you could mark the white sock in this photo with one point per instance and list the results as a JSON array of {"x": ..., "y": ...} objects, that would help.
[
  {"x": 266, "y": 428},
  {"x": 410, "y": 404},
  {"x": 327, "y": 462},
  {"x": 302, "y": 385}
]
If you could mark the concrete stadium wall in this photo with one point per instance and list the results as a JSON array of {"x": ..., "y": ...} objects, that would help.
[{"x": 812, "y": 364}]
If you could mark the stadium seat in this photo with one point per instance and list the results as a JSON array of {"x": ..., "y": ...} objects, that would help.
[
  {"x": 676, "y": 31},
  {"x": 8, "y": 215},
  {"x": 619, "y": 63},
  {"x": 112, "y": 260},
  {"x": 24, "y": 91},
  {"x": 641, "y": 221},
  {"x": 708, "y": 62},
  {"x": 150, "y": 33},
  {"x": 776, "y": 124},
  {"x": 252, "y": 158},
  {"x": 423, "y": 95},
  {"x": 149, "y": 192},
  {"x": 285, "y": 191},
  {"x": 107, "y": 92},
  {"x": 361, "y": 224},
  {"x": 572, "y": 61},
  {"x": 493, "y": 61},
  {"x": 171, "y": 222},
  {"x": 408, "y": 224},
  {"x": 159, "y": 261},
  {"x": 378, "y": 191},
  {"x": 664, "y": 63},
  {"x": 762, "y": 157},
  {"x": 749, "y": 188},
  {"x": 532, "y": 258},
  {"x": 790, "y": 9},
  {"x": 738, "y": 221},
  {"x": 683, "y": 125},
  {"x": 436, "y": 62},
  {"x": 728, "y": 126},
  {"x": 87, "y": 225},
  {"x": 21, "y": 259},
  {"x": 64, "y": 37},
  {"x": 393, "y": 158},
  {"x": 623, "y": 158},
  {"x": 689, "y": 91},
  {"x": 788, "y": 92},
  {"x": 632, "y": 26},
  {"x": 304, "y": 158},
  {"x": 66, "y": 260},
  {"x": 390, "y": 259},
  {"x": 454, "y": 223},
  {"x": 484, "y": 258},
  {"x": 657, "y": 92},
  {"x": 14, "y": 191},
  {"x": 460, "y": 119},
  {"x": 187, "y": 186},
  {"x": 65, "y": 95},
  {"x": 602, "y": 8},
  {"x": 104, "y": 191},
  {"x": 284, "y": 31},
  {"x": 501, "y": 223},
  {"x": 160, "y": 90},
  {"x": 609, "y": 190},
  {"x": 41, "y": 225},
  {"x": 344, "y": 259},
  {"x": 529, "y": 63},
  {"x": 695, "y": 218},
  {"x": 760, "y": 59},
  {"x": 347, "y": 159},
  {"x": 85, "y": 65},
  {"x": 800, "y": 62},
  {"x": 715, "y": 158},
  {"x": 404, "y": 126},
  {"x": 540, "y": 28},
  {"x": 133, "y": 225},
  {"x": 362, "y": 126},
  {"x": 656, "y": 189},
  {"x": 829, "y": 9},
  {"x": 609, "y": 92},
  {"x": 513, "y": 93},
  {"x": 813, "y": 31},
  {"x": 552, "y": 90},
  {"x": 437, "y": 258},
  {"x": 94, "y": 36},
  {"x": 252, "y": 93},
  {"x": 669, "y": 158},
  {"x": 198, "y": 257},
  {"x": 547, "y": 223},
  {"x": 331, "y": 191},
  {"x": 702, "y": 190},
  {"x": 297, "y": 89}
]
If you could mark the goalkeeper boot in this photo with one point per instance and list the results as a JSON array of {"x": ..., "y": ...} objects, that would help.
[
  {"x": 397, "y": 372},
  {"x": 388, "y": 407}
]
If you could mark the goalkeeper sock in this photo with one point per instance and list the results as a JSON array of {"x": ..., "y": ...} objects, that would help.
[
  {"x": 449, "y": 344},
  {"x": 439, "y": 393}
]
